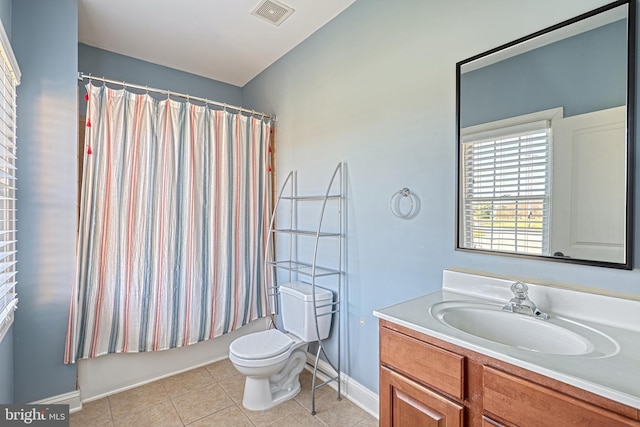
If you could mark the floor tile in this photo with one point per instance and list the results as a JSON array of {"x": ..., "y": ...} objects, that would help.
[
  {"x": 234, "y": 386},
  {"x": 268, "y": 417},
  {"x": 201, "y": 402},
  {"x": 368, "y": 421},
  {"x": 339, "y": 413},
  {"x": 227, "y": 417},
  {"x": 222, "y": 369},
  {"x": 187, "y": 381},
  {"x": 160, "y": 415},
  {"x": 299, "y": 419},
  {"x": 137, "y": 398}
]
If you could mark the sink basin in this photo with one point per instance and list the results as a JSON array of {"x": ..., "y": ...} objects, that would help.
[{"x": 557, "y": 335}]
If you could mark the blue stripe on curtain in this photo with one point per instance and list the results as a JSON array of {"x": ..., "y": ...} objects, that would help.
[
  {"x": 247, "y": 225},
  {"x": 178, "y": 281},
  {"x": 229, "y": 229},
  {"x": 206, "y": 213},
  {"x": 173, "y": 220}
]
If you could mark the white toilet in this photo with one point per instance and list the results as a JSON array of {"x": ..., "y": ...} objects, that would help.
[{"x": 272, "y": 360}]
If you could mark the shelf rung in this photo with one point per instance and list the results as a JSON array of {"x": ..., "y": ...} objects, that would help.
[
  {"x": 311, "y": 198},
  {"x": 306, "y": 232},
  {"x": 327, "y": 381},
  {"x": 303, "y": 268},
  {"x": 324, "y": 305}
]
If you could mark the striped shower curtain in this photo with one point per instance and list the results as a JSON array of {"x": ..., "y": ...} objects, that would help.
[{"x": 173, "y": 223}]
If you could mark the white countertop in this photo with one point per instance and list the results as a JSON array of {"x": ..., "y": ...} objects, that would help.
[{"x": 615, "y": 376}]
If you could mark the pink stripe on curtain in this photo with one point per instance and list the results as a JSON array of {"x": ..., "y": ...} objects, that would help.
[{"x": 173, "y": 224}]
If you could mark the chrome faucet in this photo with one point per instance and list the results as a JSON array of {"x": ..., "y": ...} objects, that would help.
[{"x": 520, "y": 303}]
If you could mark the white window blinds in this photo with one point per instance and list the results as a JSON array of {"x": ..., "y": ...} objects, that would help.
[
  {"x": 506, "y": 176},
  {"x": 9, "y": 79}
]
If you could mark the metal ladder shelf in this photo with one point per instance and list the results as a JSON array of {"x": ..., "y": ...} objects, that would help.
[{"x": 308, "y": 269}]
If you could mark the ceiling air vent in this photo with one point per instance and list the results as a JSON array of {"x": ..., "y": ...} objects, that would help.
[{"x": 273, "y": 11}]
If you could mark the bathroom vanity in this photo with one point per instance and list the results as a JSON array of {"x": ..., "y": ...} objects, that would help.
[{"x": 455, "y": 358}]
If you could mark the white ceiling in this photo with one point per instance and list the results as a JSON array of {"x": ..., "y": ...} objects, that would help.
[{"x": 219, "y": 39}]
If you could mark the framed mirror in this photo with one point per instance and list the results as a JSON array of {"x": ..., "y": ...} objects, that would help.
[{"x": 546, "y": 140}]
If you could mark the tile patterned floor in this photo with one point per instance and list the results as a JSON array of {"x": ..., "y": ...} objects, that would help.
[{"x": 212, "y": 396}]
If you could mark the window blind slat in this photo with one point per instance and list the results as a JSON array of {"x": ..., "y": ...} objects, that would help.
[
  {"x": 506, "y": 146},
  {"x": 8, "y": 306},
  {"x": 6, "y": 254},
  {"x": 6, "y": 175},
  {"x": 7, "y": 264},
  {"x": 6, "y": 152},
  {"x": 5, "y": 277},
  {"x": 6, "y": 165},
  {"x": 6, "y": 288},
  {"x": 4, "y": 186},
  {"x": 5, "y": 243}
]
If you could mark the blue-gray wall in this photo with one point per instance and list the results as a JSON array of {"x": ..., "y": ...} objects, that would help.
[
  {"x": 102, "y": 63},
  {"x": 376, "y": 88},
  {"x": 5, "y": 16},
  {"x": 45, "y": 42},
  {"x": 6, "y": 368},
  {"x": 583, "y": 73},
  {"x": 6, "y": 346}
]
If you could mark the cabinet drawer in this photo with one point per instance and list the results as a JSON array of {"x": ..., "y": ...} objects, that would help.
[
  {"x": 431, "y": 365},
  {"x": 524, "y": 403}
]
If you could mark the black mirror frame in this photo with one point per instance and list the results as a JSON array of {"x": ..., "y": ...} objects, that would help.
[{"x": 631, "y": 130}]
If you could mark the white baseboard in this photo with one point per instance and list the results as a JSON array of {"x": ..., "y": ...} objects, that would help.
[
  {"x": 72, "y": 399},
  {"x": 361, "y": 396}
]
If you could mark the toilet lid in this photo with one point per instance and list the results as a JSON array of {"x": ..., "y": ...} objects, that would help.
[{"x": 261, "y": 345}]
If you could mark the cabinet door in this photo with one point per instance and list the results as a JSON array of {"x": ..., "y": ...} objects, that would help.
[{"x": 405, "y": 403}]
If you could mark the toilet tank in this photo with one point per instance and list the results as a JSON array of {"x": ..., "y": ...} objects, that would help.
[{"x": 296, "y": 300}]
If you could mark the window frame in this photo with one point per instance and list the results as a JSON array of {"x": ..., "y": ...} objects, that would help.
[
  {"x": 10, "y": 79},
  {"x": 495, "y": 130}
]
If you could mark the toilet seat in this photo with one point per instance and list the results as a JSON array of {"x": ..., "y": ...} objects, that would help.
[{"x": 261, "y": 348}]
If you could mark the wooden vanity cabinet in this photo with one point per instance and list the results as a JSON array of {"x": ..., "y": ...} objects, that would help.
[{"x": 429, "y": 382}]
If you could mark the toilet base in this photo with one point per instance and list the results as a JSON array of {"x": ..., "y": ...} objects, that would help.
[
  {"x": 258, "y": 389},
  {"x": 264, "y": 393}
]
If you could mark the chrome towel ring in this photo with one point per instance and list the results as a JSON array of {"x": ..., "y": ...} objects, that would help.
[{"x": 396, "y": 199}]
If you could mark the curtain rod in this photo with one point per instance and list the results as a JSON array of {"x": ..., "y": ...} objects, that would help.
[{"x": 82, "y": 76}]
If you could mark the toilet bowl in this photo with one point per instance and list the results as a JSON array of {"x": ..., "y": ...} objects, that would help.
[{"x": 272, "y": 360}]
